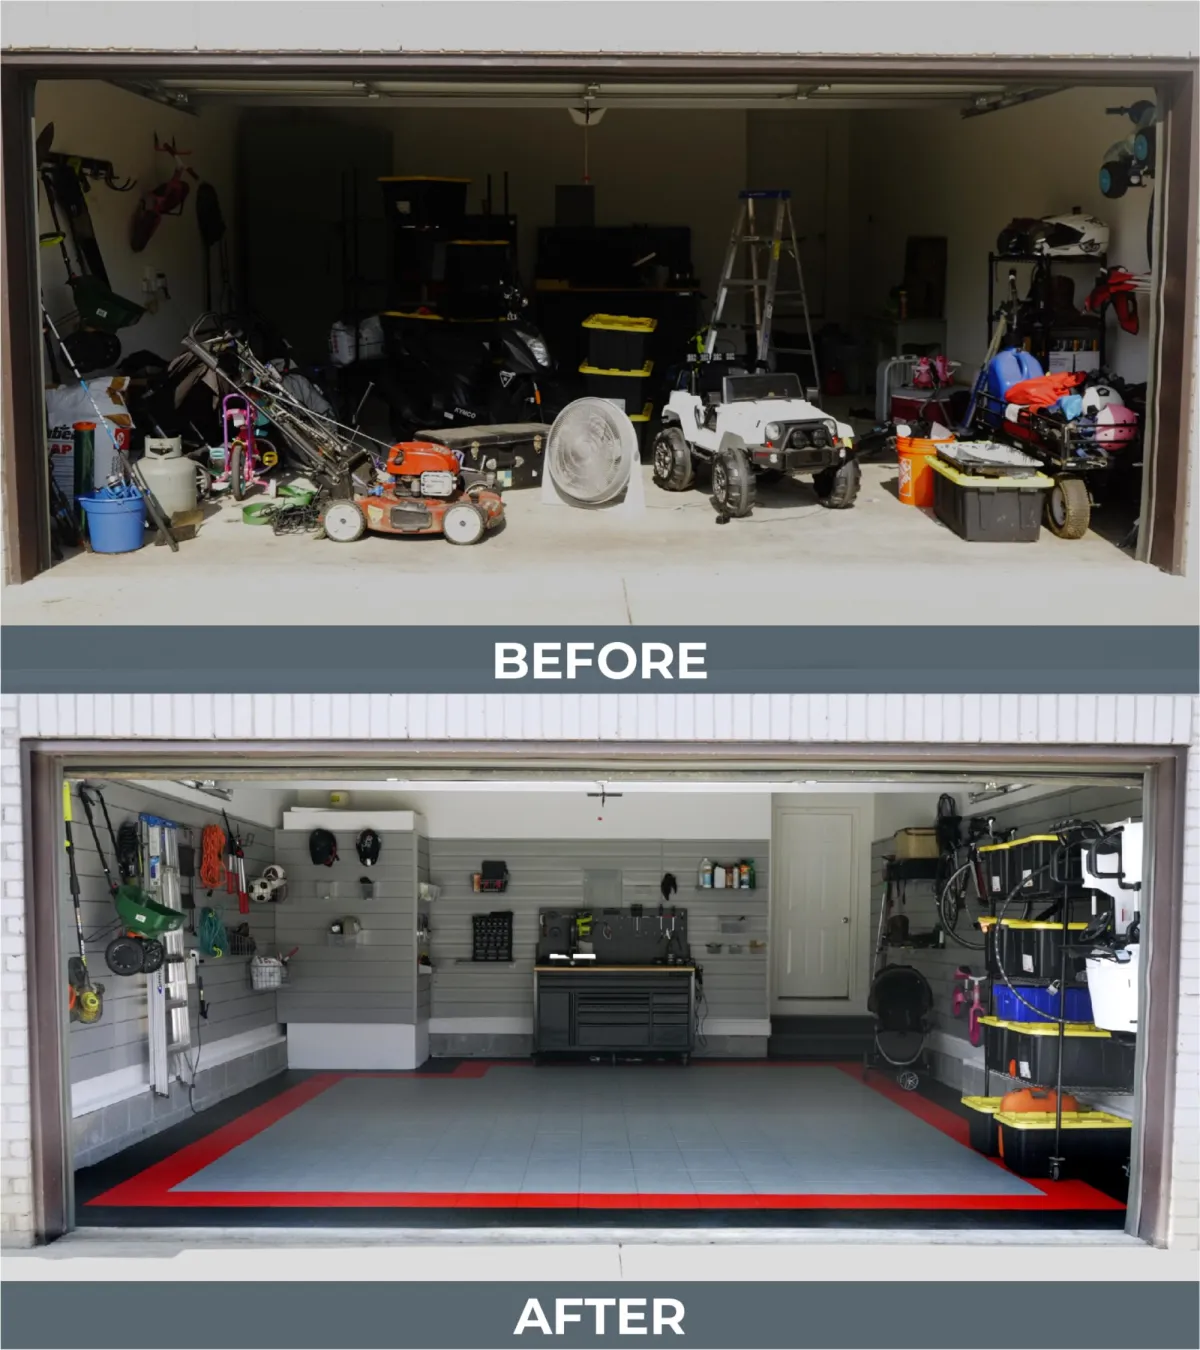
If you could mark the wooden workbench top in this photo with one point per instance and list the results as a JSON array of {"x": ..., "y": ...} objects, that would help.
[{"x": 591, "y": 965}]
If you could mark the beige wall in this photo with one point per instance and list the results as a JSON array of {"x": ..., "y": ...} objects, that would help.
[
  {"x": 936, "y": 173},
  {"x": 93, "y": 118}
]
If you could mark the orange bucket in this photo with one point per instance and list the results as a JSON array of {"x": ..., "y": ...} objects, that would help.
[{"x": 916, "y": 477}]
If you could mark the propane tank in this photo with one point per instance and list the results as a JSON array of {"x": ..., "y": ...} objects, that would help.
[{"x": 169, "y": 476}]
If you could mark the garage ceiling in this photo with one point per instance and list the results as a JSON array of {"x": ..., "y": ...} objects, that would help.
[{"x": 487, "y": 92}]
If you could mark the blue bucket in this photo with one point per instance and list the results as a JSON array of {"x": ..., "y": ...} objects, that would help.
[{"x": 115, "y": 524}]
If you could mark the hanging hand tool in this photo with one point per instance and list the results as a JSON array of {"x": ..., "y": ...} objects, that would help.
[
  {"x": 237, "y": 869},
  {"x": 85, "y": 1000}
]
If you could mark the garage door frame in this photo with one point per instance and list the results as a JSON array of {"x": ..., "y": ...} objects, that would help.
[
  {"x": 1165, "y": 492},
  {"x": 44, "y": 764}
]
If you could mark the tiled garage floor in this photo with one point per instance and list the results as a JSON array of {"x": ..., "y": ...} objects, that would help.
[{"x": 493, "y": 1143}]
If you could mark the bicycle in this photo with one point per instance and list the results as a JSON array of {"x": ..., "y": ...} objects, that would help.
[{"x": 975, "y": 1008}]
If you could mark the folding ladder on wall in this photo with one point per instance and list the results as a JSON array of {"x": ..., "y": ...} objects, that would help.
[
  {"x": 764, "y": 254},
  {"x": 170, "y": 1028}
]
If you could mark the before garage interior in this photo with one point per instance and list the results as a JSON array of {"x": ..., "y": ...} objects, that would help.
[
  {"x": 729, "y": 998},
  {"x": 379, "y": 235}
]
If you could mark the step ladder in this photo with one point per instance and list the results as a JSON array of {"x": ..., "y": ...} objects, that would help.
[
  {"x": 764, "y": 253},
  {"x": 167, "y": 992}
]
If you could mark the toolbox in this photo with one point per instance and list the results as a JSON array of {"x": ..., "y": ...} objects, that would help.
[
  {"x": 1093, "y": 1140},
  {"x": 989, "y": 510},
  {"x": 618, "y": 341},
  {"x": 513, "y": 451},
  {"x": 1028, "y": 1051},
  {"x": 625, "y": 387},
  {"x": 1030, "y": 950}
]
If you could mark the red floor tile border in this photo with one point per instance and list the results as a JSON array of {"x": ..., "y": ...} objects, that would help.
[{"x": 153, "y": 1188}]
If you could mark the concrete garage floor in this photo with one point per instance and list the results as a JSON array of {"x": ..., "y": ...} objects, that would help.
[{"x": 790, "y": 562}]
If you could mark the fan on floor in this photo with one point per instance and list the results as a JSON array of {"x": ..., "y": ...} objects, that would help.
[{"x": 590, "y": 453}]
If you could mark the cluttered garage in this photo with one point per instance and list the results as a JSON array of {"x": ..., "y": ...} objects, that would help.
[
  {"x": 881, "y": 997},
  {"x": 840, "y": 319}
]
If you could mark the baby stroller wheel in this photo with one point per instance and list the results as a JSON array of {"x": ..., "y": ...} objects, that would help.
[{"x": 908, "y": 1080}]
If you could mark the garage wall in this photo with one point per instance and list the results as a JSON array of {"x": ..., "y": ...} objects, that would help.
[
  {"x": 549, "y": 872},
  {"x": 94, "y": 118},
  {"x": 238, "y": 1044},
  {"x": 368, "y": 982},
  {"x": 933, "y": 172},
  {"x": 957, "y": 1062},
  {"x": 666, "y": 167}
]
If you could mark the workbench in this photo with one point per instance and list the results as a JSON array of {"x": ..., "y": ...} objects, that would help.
[{"x": 614, "y": 1009}]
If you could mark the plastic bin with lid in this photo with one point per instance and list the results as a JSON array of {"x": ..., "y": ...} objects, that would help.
[
  {"x": 1029, "y": 951},
  {"x": 1028, "y": 1051},
  {"x": 1004, "y": 510},
  {"x": 618, "y": 341},
  {"x": 1090, "y": 1140}
]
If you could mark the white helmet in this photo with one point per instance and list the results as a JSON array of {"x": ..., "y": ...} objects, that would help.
[
  {"x": 1071, "y": 235},
  {"x": 1097, "y": 396}
]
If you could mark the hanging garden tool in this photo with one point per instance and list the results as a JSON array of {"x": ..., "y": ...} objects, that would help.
[
  {"x": 236, "y": 868},
  {"x": 167, "y": 199},
  {"x": 85, "y": 1000},
  {"x": 137, "y": 950}
]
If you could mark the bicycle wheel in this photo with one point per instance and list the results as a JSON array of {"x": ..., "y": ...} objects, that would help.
[{"x": 961, "y": 905}]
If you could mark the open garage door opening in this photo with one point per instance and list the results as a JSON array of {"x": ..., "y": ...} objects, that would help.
[
  {"x": 456, "y": 260},
  {"x": 596, "y": 995}
]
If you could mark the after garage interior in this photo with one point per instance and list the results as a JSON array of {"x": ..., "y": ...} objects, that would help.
[
  {"x": 747, "y": 997},
  {"x": 427, "y": 255}
]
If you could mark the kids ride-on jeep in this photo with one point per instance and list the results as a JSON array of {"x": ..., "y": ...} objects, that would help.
[{"x": 758, "y": 425}]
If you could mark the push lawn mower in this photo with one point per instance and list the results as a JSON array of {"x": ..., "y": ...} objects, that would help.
[{"x": 422, "y": 490}]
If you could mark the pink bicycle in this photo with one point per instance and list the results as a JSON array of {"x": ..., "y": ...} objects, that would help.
[
  {"x": 966, "y": 982},
  {"x": 247, "y": 455}
]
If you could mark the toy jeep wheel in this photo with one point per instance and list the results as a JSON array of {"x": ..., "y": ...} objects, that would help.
[
  {"x": 837, "y": 488},
  {"x": 463, "y": 523},
  {"x": 672, "y": 461},
  {"x": 732, "y": 483},
  {"x": 344, "y": 522},
  {"x": 1068, "y": 508}
]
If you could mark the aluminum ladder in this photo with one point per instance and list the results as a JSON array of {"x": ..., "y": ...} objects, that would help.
[
  {"x": 763, "y": 281},
  {"x": 167, "y": 993}
]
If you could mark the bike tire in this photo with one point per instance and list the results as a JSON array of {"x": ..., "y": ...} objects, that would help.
[
  {"x": 237, "y": 469},
  {"x": 954, "y": 903}
]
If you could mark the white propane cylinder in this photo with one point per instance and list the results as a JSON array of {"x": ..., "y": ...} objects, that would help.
[{"x": 169, "y": 476}]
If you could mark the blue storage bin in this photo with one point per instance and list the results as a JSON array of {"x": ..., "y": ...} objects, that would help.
[{"x": 1009, "y": 1008}]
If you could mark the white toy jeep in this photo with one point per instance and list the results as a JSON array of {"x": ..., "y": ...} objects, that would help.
[{"x": 758, "y": 425}]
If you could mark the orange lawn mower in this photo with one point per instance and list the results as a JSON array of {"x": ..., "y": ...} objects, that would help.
[{"x": 422, "y": 490}]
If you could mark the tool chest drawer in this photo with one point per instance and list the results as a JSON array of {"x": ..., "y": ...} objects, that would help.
[{"x": 613, "y": 1010}]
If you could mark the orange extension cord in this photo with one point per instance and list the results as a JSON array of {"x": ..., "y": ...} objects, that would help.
[{"x": 212, "y": 858}]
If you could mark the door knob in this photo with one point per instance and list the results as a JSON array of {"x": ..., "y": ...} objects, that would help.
[{"x": 846, "y": 920}]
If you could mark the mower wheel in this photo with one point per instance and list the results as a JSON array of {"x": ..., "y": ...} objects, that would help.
[
  {"x": 1114, "y": 178},
  {"x": 837, "y": 488},
  {"x": 1068, "y": 508},
  {"x": 464, "y": 523},
  {"x": 672, "y": 461},
  {"x": 154, "y": 954},
  {"x": 124, "y": 956},
  {"x": 732, "y": 484},
  {"x": 344, "y": 522}
]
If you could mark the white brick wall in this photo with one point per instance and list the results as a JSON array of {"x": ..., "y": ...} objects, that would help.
[{"x": 1052, "y": 719}]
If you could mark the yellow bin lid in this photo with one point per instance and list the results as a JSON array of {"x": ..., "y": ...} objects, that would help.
[
  {"x": 1072, "y": 1120},
  {"x": 642, "y": 374},
  {"x": 620, "y": 323},
  {"x": 1034, "y": 481},
  {"x": 1048, "y": 1028}
]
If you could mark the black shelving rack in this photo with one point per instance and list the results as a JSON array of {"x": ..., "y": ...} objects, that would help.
[{"x": 1043, "y": 332}]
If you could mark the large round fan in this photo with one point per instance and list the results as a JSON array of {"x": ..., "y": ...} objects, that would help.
[{"x": 590, "y": 452}]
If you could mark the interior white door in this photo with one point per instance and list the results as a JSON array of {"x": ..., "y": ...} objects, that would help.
[{"x": 813, "y": 905}]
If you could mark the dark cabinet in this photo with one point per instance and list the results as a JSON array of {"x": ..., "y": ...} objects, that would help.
[{"x": 611, "y": 1011}]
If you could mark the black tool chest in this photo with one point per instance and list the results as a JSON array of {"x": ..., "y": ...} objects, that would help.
[{"x": 614, "y": 1010}]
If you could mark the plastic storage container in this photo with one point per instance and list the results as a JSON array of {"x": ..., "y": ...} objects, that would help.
[
  {"x": 916, "y": 842},
  {"x": 984, "y": 1131},
  {"x": 626, "y": 387},
  {"x": 115, "y": 524},
  {"x": 1091, "y": 1140},
  {"x": 425, "y": 203},
  {"x": 1028, "y": 1051},
  {"x": 641, "y": 423},
  {"x": 1030, "y": 950},
  {"x": 1047, "y": 1003},
  {"x": 618, "y": 341},
  {"x": 1113, "y": 986},
  {"x": 989, "y": 510},
  {"x": 989, "y": 459}
]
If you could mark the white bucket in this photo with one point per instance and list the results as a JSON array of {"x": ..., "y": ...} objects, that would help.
[{"x": 1112, "y": 981}]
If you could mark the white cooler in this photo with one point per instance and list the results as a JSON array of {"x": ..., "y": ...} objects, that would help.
[{"x": 1112, "y": 981}]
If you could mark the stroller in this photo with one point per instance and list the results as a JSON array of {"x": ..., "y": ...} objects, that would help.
[{"x": 901, "y": 1000}]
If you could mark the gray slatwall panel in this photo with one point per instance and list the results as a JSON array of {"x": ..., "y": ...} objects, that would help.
[
  {"x": 735, "y": 985},
  {"x": 119, "y": 1039},
  {"x": 373, "y": 980},
  {"x": 938, "y": 966},
  {"x": 424, "y": 982},
  {"x": 550, "y": 873}
]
